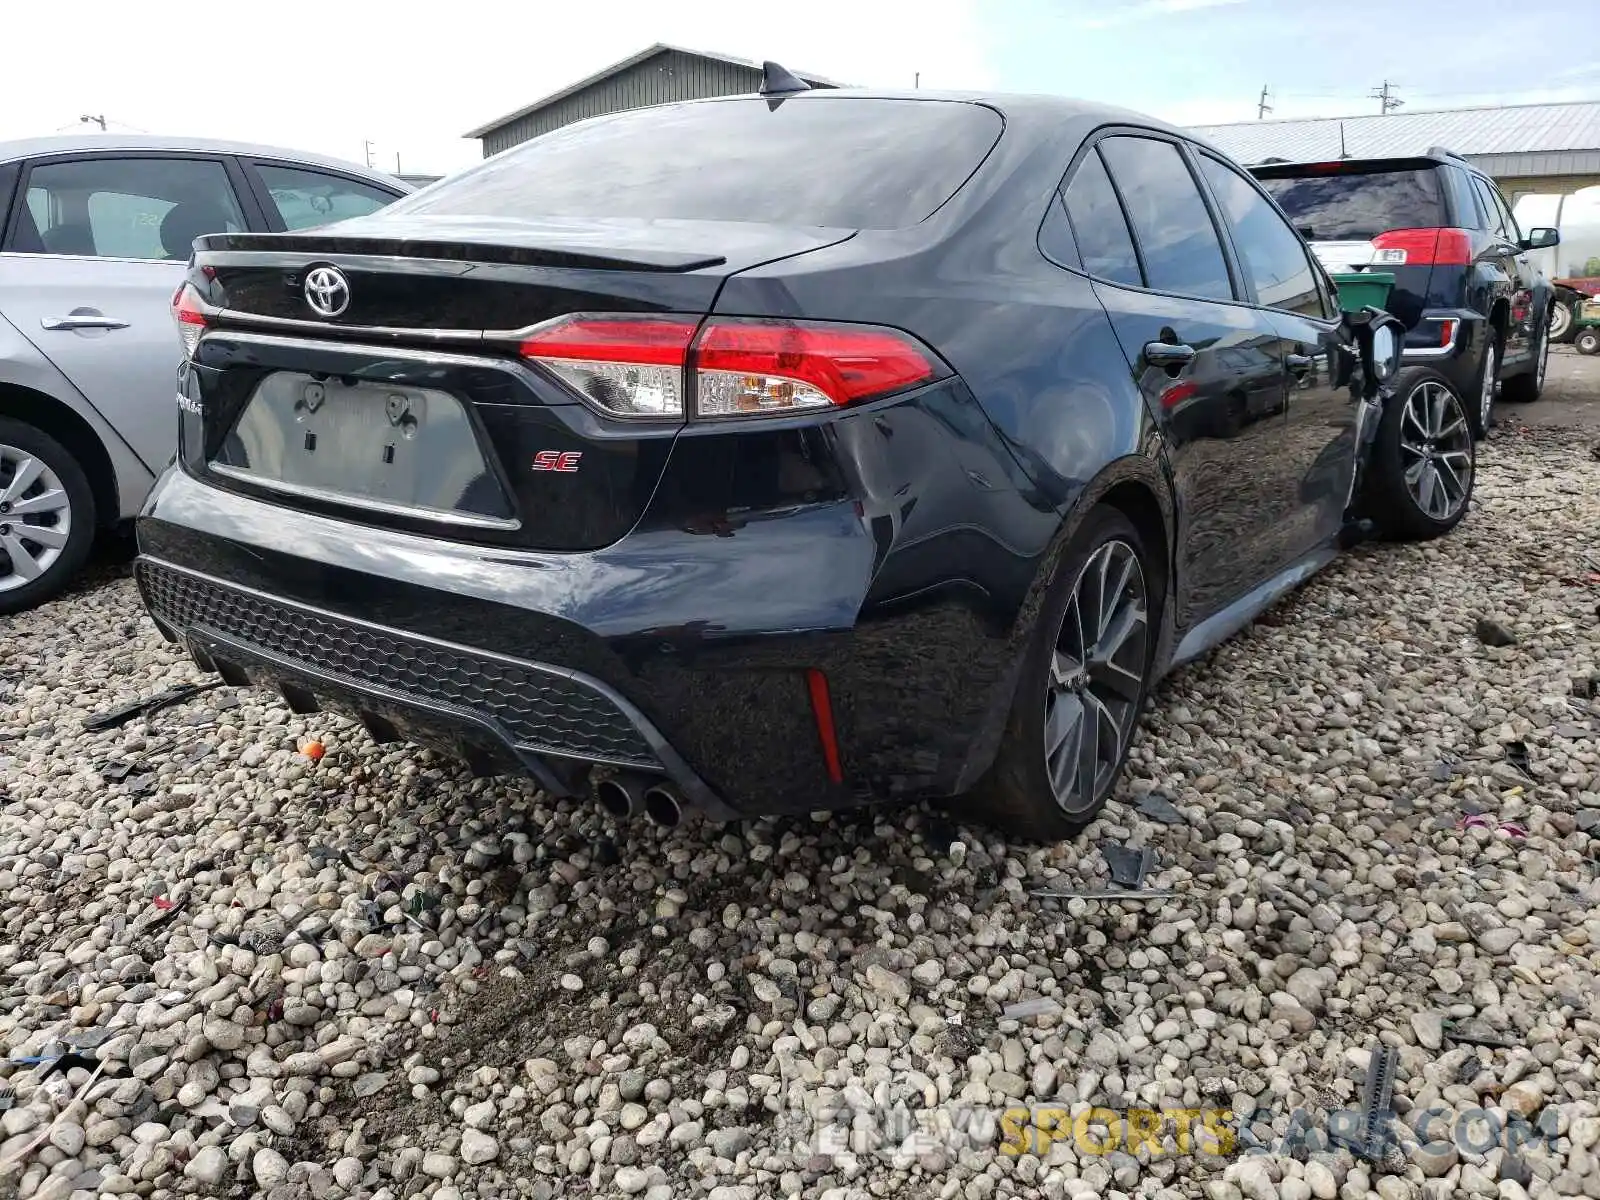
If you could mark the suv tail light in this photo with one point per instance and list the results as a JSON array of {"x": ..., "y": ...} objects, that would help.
[
  {"x": 189, "y": 316},
  {"x": 644, "y": 366},
  {"x": 1423, "y": 248}
]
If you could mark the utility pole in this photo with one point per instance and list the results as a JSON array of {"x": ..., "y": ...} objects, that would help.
[
  {"x": 91, "y": 120},
  {"x": 916, "y": 80},
  {"x": 367, "y": 149},
  {"x": 1386, "y": 97},
  {"x": 397, "y": 162},
  {"x": 1262, "y": 107}
]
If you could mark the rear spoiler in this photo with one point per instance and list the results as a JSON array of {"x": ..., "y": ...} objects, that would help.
[
  {"x": 1340, "y": 166},
  {"x": 550, "y": 252}
]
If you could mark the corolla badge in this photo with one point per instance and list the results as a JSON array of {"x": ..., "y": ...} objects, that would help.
[{"x": 327, "y": 291}]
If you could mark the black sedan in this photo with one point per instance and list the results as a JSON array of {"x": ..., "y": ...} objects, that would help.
[{"x": 777, "y": 453}]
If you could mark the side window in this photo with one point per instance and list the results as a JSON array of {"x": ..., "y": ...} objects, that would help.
[
  {"x": 1055, "y": 235},
  {"x": 151, "y": 208},
  {"x": 1102, "y": 234},
  {"x": 1469, "y": 212},
  {"x": 1486, "y": 197},
  {"x": 306, "y": 198},
  {"x": 1508, "y": 222},
  {"x": 1177, "y": 240},
  {"x": 1273, "y": 253}
]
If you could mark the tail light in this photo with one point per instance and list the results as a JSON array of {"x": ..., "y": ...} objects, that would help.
[
  {"x": 190, "y": 317},
  {"x": 1423, "y": 248},
  {"x": 644, "y": 366},
  {"x": 629, "y": 366}
]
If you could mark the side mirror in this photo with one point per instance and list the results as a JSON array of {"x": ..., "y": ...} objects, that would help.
[
  {"x": 1377, "y": 339},
  {"x": 1387, "y": 347},
  {"x": 1541, "y": 238}
]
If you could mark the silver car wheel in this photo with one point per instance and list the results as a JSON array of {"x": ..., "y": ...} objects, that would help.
[
  {"x": 1096, "y": 676},
  {"x": 35, "y": 518},
  {"x": 1436, "y": 450},
  {"x": 1491, "y": 375}
]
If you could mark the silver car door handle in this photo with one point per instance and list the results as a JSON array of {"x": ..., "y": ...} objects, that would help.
[{"x": 82, "y": 321}]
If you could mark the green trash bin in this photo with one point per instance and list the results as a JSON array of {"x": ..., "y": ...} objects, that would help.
[{"x": 1359, "y": 289}]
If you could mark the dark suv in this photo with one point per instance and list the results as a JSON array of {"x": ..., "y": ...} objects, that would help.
[{"x": 1474, "y": 304}]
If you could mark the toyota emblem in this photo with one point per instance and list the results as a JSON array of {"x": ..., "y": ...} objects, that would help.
[{"x": 327, "y": 291}]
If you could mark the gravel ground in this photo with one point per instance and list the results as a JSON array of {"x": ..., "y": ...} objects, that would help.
[{"x": 372, "y": 975}]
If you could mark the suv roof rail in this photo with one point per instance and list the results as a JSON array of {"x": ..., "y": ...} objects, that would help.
[
  {"x": 1441, "y": 152},
  {"x": 1268, "y": 162}
]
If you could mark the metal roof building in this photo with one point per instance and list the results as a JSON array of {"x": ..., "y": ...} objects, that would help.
[
  {"x": 658, "y": 74},
  {"x": 1524, "y": 147}
]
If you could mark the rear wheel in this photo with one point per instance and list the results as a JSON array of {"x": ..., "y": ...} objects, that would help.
[
  {"x": 1525, "y": 388},
  {"x": 1588, "y": 340},
  {"x": 47, "y": 517},
  {"x": 1488, "y": 384},
  {"x": 1424, "y": 460},
  {"x": 1562, "y": 316},
  {"x": 1081, "y": 690}
]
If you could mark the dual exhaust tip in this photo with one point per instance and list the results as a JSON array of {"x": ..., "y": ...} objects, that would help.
[{"x": 627, "y": 795}]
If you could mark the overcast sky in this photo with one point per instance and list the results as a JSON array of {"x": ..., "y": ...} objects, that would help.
[{"x": 412, "y": 78}]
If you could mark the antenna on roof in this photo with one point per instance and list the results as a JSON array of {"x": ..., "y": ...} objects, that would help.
[
  {"x": 1343, "y": 153},
  {"x": 777, "y": 80}
]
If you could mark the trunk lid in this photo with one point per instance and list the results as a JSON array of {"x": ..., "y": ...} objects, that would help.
[
  {"x": 410, "y": 407},
  {"x": 465, "y": 275}
]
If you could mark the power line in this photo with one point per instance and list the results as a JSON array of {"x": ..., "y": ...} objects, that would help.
[
  {"x": 1386, "y": 97},
  {"x": 1262, "y": 107}
]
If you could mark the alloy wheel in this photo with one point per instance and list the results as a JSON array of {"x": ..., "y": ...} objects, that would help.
[
  {"x": 1491, "y": 375},
  {"x": 1436, "y": 449},
  {"x": 1096, "y": 676},
  {"x": 35, "y": 518}
]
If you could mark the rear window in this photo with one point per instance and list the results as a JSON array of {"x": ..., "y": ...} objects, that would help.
[
  {"x": 1357, "y": 207},
  {"x": 848, "y": 162}
]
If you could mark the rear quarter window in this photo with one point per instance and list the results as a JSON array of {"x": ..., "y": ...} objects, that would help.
[
  {"x": 1358, "y": 206},
  {"x": 846, "y": 162}
]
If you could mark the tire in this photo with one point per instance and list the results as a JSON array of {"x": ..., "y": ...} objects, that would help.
[
  {"x": 1563, "y": 320},
  {"x": 1528, "y": 386},
  {"x": 58, "y": 496},
  {"x": 1588, "y": 340},
  {"x": 1481, "y": 401},
  {"x": 1018, "y": 793},
  {"x": 1394, "y": 498}
]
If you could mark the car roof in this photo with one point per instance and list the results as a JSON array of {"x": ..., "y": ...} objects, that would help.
[
  {"x": 1042, "y": 113},
  {"x": 80, "y": 142}
]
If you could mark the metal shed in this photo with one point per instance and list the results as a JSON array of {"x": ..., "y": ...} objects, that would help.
[
  {"x": 658, "y": 74},
  {"x": 1524, "y": 147}
]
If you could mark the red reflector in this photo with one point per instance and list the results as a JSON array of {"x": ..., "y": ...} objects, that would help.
[
  {"x": 639, "y": 340},
  {"x": 1177, "y": 393},
  {"x": 822, "y": 710},
  {"x": 1326, "y": 168},
  {"x": 1428, "y": 247},
  {"x": 844, "y": 363}
]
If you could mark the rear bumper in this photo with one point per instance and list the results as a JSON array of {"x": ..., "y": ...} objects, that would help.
[
  {"x": 1454, "y": 356},
  {"x": 494, "y": 712},
  {"x": 676, "y": 651}
]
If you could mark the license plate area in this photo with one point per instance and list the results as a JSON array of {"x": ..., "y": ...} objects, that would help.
[{"x": 406, "y": 450}]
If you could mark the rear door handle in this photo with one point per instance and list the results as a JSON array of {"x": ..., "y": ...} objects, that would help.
[
  {"x": 1168, "y": 354},
  {"x": 82, "y": 321},
  {"x": 1298, "y": 364}
]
